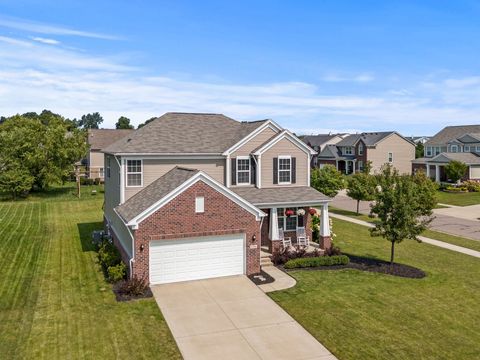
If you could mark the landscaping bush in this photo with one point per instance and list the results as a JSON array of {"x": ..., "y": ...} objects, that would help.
[
  {"x": 133, "y": 287},
  {"x": 317, "y": 261},
  {"x": 471, "y": 185},
  {"x": 117, "y": 272},
  {"x": 108, "y": 255},
  {"x": 290, "y": 253},
  {"x": 333, "y": 250},
  {"x": 97, "y": 181},
  {"x": 456, "y": 189}
]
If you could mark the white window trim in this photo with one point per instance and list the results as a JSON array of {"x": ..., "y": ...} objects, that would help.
[
  {"x": 101, "y": 173},
  {"x": 199, "y": 204},
  {"x": 478, "y": 148},
  {"x": 388, "y": 157},
  {"x": 284, "y": 219},
  {"x": 428, "y": 151},
  {"x": 244, "y": 171},
  {"x": 278, "y": 170},
  {"x": 456, "y": 148},
  {"x": 349, "y": 152},
  {"x": 127, "y": 173},
  {"x": 466, "y": 148},
  {"x": 360, "y": 149}
]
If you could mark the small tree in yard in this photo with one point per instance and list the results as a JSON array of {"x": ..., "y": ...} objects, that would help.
[
  {"x": 361, "y": 187},
  {"x": 15, "y": 180},
  {"x": 328, "y": 180},
  {"x": 455, "y": 170},
  {"x": 403, "y": 204}
]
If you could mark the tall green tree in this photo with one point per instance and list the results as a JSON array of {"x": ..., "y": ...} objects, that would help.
[
  {"x": 455, "y": 170},
  {"x": 146, "y": 122},
  {"x": 328, "y": 180},
  {"x": 361, "y": 187},
  {"x": 419, "y": 150},
  {"x": 90, "y": 121},
  {"x": 403, "y": 205},
  {"x": 42, "y": 146},
  {"x": 123, "y": 123}
]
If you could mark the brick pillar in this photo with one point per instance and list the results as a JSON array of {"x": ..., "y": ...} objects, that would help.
[
  {"x": 275, "y": 246},
  {"x": 325, "y": 242}
]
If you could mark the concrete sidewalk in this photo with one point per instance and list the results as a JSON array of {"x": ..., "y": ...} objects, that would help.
[
  {"x": 423, "y": 238},
  {"x": 231, "y": 318}
]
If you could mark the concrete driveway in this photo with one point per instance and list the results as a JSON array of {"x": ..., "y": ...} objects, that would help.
[{"x": 231, "y": 318}]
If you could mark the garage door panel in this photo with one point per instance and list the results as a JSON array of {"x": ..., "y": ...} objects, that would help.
[{"x": 196, "y": 258}]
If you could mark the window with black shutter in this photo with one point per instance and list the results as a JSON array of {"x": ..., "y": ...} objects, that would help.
[
  {"x": 275, "y": 170},
  {"x": 234, "y": 171}
]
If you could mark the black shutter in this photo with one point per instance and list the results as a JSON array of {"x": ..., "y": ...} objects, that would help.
[
  {"x": 275, "y": 170},
  {"x": 234, "y": 171},
  {"x": 253, "y": 171},
  {"x": 294, "y": 170}
]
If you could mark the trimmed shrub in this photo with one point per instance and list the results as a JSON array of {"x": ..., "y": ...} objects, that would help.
[
  {"x": 333, "y": 250},
  {"x": 456, "y": 189},
  {"x": 290, "y": 253},
  {"x": 317, "y": 261},
  {"x": 108, "y": 255},
  {"x": 471, "y": 185},
  {"x": 117, "y": 272}
]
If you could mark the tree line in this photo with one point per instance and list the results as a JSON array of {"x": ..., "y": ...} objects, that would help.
[{"x": 39, "y": 150}]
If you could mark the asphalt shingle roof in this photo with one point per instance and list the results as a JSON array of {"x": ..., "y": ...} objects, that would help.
[
  {"x": 145, "y": 198},
  {"x": 452, "y": 132},
  {"x": 317, "y": 140},
  {"x": 370, "y": 138},
  {"x": 281, "y": 195},
  {"x": 467, "y": 158},
  {"x": 185, "y": 133},
  {"x": 101, "y": 138}
]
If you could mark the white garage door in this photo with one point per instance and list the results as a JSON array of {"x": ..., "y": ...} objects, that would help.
[{"x": 196, "y": 258}]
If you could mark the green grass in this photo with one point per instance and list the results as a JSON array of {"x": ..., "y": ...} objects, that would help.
[
  {"x": 54, "y": 301},
  {"x": 458, "y": 199},
  {"x": 362, "y": 315},
  {"x": 65, "y": 192},
  {"x": 452, "y": 239}
]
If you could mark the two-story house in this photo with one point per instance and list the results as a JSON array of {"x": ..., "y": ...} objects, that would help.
[
  {"x": 192, "y": 196},
  {"x": 461, "y": 143},
  {"x": 352, "y": 153},
  {"x": 98, "y": 139},
  {"x": 319, "y": 142}
]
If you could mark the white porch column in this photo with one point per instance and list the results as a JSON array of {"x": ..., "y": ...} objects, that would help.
[
  {"x": 428, "y": 170},
  {"x": 353, "y": 166},
  {"x": 325, "y": 222},
  {"x": 437, "y": 173},
  {"x": 273, "y": 232}
]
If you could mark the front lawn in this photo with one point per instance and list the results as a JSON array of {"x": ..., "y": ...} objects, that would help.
[
  {"x": 54, "y": 301},
  {"x": 458, "y": 199},
  {"x": 363, "y": 315}
]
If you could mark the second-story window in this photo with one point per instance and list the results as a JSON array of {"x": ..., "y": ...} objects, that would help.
[
  {"x": 348, "y": 150},
  {"x": 390, "y": 157},
  {"x": 360, "y": 149},
  {"x": 284, "y": 169},
  {"x": 428, "y": 151},
  {"x": 454, "y": 148},
  {"x": 243, "y": 170},
  {"x": 134, "y": 173}
]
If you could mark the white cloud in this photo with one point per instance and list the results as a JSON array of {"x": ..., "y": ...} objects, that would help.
[
  {"x": 360, "y": 78},
  {"x": 34, "y": 76},
  {"x": 46, "y": 40},
  {"x": 40, "y": 28}
]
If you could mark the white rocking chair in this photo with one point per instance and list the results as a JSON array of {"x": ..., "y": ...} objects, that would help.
[
  {"x": 302, "y": 238},
  {"x": 286, "y": 241}
]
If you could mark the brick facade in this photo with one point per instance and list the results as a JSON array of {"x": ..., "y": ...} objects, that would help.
[{"x": 178, "y": 219}]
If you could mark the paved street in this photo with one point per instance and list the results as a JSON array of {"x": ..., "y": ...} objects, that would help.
[{"x": 455, "y": 220}]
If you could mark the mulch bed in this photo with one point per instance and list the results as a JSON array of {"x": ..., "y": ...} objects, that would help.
[
  {"x": 373, "y": 265},
  {"x": 261, "y": 278},
  {"x": 120, "y": 297}
]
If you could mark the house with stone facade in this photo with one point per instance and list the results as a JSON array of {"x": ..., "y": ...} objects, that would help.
[
  {"x": 211, "y": 204},
  {"x": 460, "y": 143},
  {"x": 354, "y": 151}
]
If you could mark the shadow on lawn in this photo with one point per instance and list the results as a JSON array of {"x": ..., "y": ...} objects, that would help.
[{"x": 85, "y": 231}]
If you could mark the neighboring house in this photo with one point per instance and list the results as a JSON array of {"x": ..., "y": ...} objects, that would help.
[
  {"x": 192, "y": 196},
  {"x": 419, "y": 139},
  {"x": 319, "y": 142},
  {"x": 97, "y": 139},
  {"x": 352, "y": 153},
  {"x": 461, "y": 143}
]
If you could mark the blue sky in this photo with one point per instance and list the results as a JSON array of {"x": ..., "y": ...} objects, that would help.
[{"x": 313, "y": 66}]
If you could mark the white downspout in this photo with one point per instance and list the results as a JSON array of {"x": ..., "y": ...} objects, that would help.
[{"x": 132, "y": 259}]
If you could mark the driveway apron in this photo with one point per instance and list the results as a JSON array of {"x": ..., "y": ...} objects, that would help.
[{"x": 231, "y": 318}]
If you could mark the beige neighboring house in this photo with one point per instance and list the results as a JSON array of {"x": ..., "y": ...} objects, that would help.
[
  {"x": 352, "y": 153},
  {"x": 193, "y": 196},
  {"x": 460, "y": 143},
  {"x": 98, "y": 139}
]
